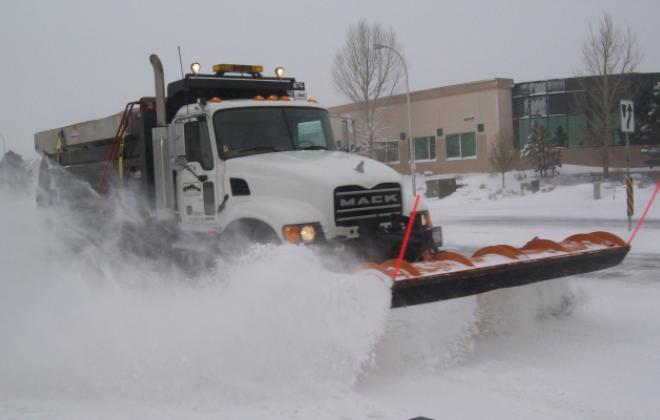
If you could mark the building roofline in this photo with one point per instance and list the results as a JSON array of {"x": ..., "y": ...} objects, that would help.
[
  {"x": 588, "y": 76},
  {"x": 437, "y": 92}
]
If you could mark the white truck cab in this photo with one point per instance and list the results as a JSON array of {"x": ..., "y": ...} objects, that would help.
[{"x": 238, "y": 154}]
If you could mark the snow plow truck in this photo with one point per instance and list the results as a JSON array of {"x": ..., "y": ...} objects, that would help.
[{"x": 238, "y": 156}]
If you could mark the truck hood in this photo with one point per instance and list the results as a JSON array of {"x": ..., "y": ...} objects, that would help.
[
  {"x": 300, "y": 185},
  {"x": 309, "y": 169}
]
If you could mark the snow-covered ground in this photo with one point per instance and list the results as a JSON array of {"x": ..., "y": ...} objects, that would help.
[{"x": 88, "y": 333}]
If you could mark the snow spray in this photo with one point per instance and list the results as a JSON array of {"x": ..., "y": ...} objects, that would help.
[{"x": 82, "y": 320}]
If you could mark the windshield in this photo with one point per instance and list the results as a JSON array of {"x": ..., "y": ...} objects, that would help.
[{"x": 244, "y": 131}]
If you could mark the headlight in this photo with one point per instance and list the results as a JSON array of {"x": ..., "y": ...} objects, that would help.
[{"x": 306, "y": 233}]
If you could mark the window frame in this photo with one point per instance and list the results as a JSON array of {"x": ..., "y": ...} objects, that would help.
[
  {"x": 460, "y": 146},
  {"x": 198, "y": 146},
  {"x": 378, "y": 143},
  {"x": 288, "y": 119},
  {"x": 429, "y": 139}
]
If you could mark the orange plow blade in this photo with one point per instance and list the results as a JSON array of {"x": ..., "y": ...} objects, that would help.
[{"x": 449, "y": 275}]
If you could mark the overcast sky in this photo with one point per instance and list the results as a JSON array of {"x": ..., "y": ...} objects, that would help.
[{"x": 69, "y": 61}]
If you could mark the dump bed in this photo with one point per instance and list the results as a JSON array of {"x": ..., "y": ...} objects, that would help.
[
  {"x": 85, "y": 148},
  {"x": 80, "y": 135}
]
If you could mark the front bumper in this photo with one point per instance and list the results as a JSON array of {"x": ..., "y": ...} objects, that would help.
[{"x": 380, "y": 244}]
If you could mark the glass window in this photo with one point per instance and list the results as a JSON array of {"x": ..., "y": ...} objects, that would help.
[
  {"x": 521, "y": 89},
  {"x": 243, "y": 131},
  {"x": 198, "y": 144},
  {"x": 558, "y": 130},
  {"x": 453, "y": 143},
  {"x": 439, "y": 132},
  {"x": 480, "y": 128},
  {"x": 468, "y": 144},
  {"x": 575, "y": 103},
  {"x": 538, "y": 105},
  {"x": 539, "y": 121},
  {"x": 556, "y": 85},
  {"x": 463, "y": 145},
  {"x": 310, "y": 133},
  {"x": 387, "y": 151},
  {"x": 424, "y": 148},
  {"x": 537, "y": 87},
  {"x": 402, "y": 136},
  {"x": 520, "y": 107},
  {"x": 576, "y": 130},
  {"x": 523, "y": 132},
  {"x": 573, "y": 84},
  {"x": 558, "y": 104}
]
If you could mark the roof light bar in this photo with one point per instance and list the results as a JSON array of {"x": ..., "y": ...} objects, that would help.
[{"x": 254, "y": 70}]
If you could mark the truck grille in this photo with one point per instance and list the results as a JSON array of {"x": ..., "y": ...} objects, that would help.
[{"x": 354, "y": 204}]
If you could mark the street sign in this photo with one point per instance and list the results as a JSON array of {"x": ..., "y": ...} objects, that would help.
[{"x": 627, "y": 116}]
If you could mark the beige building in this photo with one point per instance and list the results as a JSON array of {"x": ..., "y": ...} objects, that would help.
[{"x": 452, "y": 126}]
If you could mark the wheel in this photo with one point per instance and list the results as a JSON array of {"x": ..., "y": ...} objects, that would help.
[{"x": 242, "y": 234}]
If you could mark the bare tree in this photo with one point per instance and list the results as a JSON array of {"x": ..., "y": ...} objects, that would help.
[
  {"x": 502, "y": 155},
  {"x": 365, "y": 74},
  {"x": 608, "y": 55}
]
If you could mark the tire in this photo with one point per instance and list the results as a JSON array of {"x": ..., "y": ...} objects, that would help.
[{"x": 242, "y": 234}]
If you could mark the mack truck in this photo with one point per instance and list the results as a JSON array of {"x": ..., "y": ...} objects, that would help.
[{"x": 235, "y": 157}]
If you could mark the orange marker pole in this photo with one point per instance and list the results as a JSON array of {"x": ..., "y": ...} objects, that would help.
[
  {"x": 406, "y": 238},
  {"x": 646, "y": 210}
]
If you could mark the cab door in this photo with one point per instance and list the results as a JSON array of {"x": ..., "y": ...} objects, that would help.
[{"x": 196, "y": 178}]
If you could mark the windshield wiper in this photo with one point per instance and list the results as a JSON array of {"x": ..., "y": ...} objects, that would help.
[
  {"x": 313, "y": 147},
  {"x": 259, "y": 149}
]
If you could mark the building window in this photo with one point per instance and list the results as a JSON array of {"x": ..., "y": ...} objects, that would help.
[
  {"x": 402, "y": 136},
  {"x": 461, "y": 146},
  {"x": 558, "y": 130},
  {"x": 558, "y": 104},
  {"x": 523, "y": 132},
  {"x": 558, "y": 85},
  {"x": 536, "y": 88},
  {"x": 387, "y": 151},
  {"x": 480, "y": 128},
  {"x": 425, "y": 148},
  {"x": 521, "y": 89},
  {"x": 439, "y": 132},
  {"x": 575, "y": 102},
  {"x": 538, "y": 105},
  {"x": 577, "y": 126},
  {"x": 520, "y": 107}
]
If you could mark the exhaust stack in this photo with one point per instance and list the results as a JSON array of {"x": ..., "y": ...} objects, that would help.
[
  {"x": 163, "y": 179},
  {"x": 159, "y": 79}
]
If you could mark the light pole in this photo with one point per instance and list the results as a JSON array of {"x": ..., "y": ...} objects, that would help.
[{"x": 410, "y": 138}]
